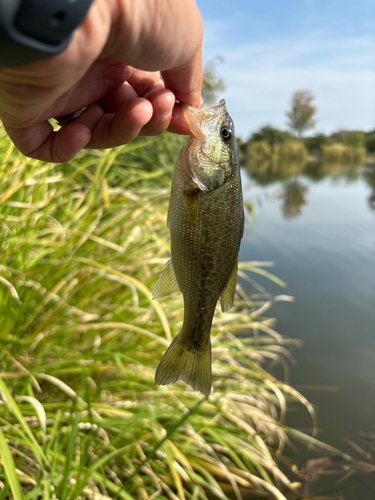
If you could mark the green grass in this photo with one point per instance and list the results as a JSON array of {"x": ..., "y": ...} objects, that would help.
[{"x": 81, "y": 245}]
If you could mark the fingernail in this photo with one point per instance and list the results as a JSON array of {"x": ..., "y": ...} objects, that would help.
[{"x": 167, "y": 114}]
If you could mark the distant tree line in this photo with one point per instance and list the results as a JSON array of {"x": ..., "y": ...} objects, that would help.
[
  {"x": 272, "y": 143},
  {"x": 275, "y": 144}
]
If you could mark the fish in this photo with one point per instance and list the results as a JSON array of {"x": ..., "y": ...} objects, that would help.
[{"x": 206, "y": 223}]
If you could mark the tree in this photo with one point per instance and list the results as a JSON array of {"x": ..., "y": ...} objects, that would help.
[
  {"x": 272, "y": 135},
  {"x": 370, "y": 142},
  {"x": 212, "y": 84},
  {"x": 314, "y": 144},
  {"x": 301, "y": 112}
]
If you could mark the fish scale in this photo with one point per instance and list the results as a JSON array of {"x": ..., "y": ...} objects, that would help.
[{"x": 207, "y": 257}]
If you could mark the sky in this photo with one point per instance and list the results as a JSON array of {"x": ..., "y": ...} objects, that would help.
[{"x": 272, "y": 48}]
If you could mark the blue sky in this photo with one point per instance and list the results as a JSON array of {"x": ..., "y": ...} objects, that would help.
[{"x": 272, "y": 48}]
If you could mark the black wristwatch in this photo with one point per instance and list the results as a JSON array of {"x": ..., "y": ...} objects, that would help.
[{"x": 32, "y": 30}]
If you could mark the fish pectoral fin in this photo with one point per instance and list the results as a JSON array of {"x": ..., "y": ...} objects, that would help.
[
  {"x": 227, "y": 295},
  {"x": 166, "y": 283},
  {"x": 192, "y": 206},
  {"x": 185, "y": 361}
]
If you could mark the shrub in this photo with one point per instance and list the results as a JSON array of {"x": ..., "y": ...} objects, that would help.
[
  {"x": 355, "y": 138},
  {"x": 259, "y": 150},
  {"x": 314, "y": 144},
  {"x": 337, "y": 152},
  {"x": 291, "y": 150},
  {"x": 370, "y": 142},
  {"x": 272, "y": 135}
]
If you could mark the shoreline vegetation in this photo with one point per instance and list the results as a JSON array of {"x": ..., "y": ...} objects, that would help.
[
  {"x": 278, "y": 156},
  {"x": 81, "y": 245},
  {"x": 272, "y": 144}
]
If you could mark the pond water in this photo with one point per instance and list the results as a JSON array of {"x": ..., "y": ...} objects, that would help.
[{"x": 316, "y": 222}]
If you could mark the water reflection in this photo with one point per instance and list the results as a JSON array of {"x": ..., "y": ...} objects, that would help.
[
  {"x": 320, "y": 234},
  {"x": 294, "y": 198},
  {"x": 267, "y": 172},
  {"x": 291, "y": 175},
  {"x": 317, "y": 171},
  {"x": 369, "y": 176}
]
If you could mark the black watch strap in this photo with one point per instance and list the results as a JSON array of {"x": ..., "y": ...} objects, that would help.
[{"x": 32, "y": 30}]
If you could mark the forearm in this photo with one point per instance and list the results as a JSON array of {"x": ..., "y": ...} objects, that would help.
[{"x": 34, "y": 30}]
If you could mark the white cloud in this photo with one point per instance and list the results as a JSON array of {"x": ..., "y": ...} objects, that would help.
[{"x": 260, "y": 77}]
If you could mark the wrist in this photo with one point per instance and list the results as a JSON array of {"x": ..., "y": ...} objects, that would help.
[{"x": 34, "y": 30}]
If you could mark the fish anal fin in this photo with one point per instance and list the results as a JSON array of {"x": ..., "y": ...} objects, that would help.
[
  {"x": 227, "y": 295},
  {"x": 185, "y": 361},
  {"x": 166, "y": 283}
]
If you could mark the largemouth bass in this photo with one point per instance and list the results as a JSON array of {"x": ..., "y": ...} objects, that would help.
[{"x": 205, "y": 218}]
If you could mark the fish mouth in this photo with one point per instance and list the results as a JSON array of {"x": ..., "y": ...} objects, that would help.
[
  {"x": 195, "y": 116},
  {"x": 193, "y": 120}
]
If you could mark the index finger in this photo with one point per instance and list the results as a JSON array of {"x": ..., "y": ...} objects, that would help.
[{"x": 185, "y": 81}]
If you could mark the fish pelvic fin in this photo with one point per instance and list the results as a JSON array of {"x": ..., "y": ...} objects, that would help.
[{"x": 185, "y": 361}]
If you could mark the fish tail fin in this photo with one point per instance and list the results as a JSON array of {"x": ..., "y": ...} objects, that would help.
[{"x": 183, "y": 360}]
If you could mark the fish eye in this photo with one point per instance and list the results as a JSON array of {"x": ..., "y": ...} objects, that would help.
[{"x": 226, "y": 134}]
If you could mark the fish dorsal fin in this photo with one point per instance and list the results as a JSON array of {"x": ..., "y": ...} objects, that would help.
[
  {"x": 227, "y": 295},
  {"x": 167, "y": 282}
]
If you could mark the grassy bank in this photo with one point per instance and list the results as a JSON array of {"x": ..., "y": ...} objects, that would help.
[{"x": 81, "y": 245}]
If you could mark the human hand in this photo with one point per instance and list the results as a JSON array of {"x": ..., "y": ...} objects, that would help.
[{"x": 111, "y": 66}]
